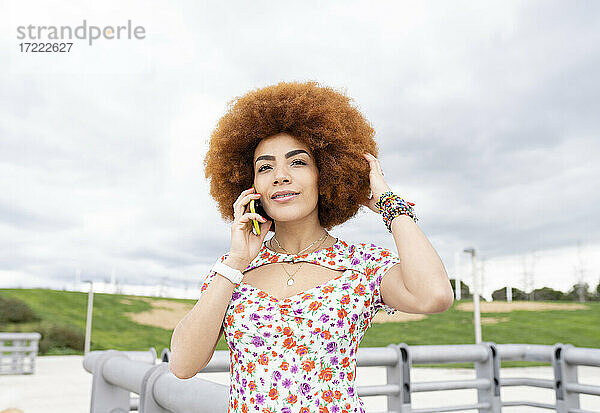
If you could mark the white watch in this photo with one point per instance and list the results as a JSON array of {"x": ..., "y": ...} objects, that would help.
[{"x": 233, "y": 275}]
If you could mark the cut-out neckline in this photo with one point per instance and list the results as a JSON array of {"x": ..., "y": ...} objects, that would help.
[
  {"x": 294, "y": 297},
  {"x": 322, "y": 250}
]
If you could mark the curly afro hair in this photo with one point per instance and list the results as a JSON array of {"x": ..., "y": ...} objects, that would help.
[{"x": 322, "y": 118}]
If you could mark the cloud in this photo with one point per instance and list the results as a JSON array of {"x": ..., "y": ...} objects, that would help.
[{"x": 485, "y": 118}]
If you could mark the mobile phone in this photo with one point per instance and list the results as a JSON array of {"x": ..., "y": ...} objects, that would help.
[
  {"x": 256, "y": 207},
  {"x": 255, "y": 222}
]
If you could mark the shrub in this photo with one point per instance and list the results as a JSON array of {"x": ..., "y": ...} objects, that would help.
[
  {"x": 13, "y": 310},
  {"x": 61, "y": 336}
]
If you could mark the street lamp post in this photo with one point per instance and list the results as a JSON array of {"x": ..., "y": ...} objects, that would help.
[
  {"x": 88, "y": 320},
  {"x": 476, "y": 311},
  {"x": 457, "y": 278}
]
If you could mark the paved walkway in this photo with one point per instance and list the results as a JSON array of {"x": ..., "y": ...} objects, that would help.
[{"x": 61, "y": 385}]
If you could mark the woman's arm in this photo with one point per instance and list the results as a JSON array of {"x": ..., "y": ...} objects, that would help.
[
  {"x": 419, "y": 283},
  {"x": 196, "y": 335}
]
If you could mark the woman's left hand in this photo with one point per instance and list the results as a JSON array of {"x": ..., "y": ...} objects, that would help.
[{"x": 378, "y": 184}]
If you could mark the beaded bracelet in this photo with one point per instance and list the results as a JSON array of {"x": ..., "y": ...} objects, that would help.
[{"x": 390, "y": 206}]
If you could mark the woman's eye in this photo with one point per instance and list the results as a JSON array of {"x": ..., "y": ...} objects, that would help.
[{"x": 300, "y": 162}]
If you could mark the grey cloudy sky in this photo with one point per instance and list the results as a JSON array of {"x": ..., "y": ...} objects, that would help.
[{"x": 486, "y": 115}]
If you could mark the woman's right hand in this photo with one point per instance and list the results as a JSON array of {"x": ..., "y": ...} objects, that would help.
[{"x": 244, "y": 244}]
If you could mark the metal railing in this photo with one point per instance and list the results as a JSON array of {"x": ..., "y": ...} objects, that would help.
[
  {"x": 116, "y": 374},
  {"x": 18, "y": 352}
]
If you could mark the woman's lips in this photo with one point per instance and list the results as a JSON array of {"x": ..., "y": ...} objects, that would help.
[{"x": 285, "y": 198}]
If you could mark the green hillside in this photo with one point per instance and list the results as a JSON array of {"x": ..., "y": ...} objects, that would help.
[{"x": 114, "y": 329}]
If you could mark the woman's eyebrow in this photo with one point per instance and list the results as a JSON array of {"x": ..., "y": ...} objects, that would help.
[{"x": 287, "y": 155}]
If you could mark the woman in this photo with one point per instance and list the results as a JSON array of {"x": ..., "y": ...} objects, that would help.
[{"x": 295, "y": 307}]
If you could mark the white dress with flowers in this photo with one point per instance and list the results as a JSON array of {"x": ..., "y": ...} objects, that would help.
[{"x": 298, "y": 354}]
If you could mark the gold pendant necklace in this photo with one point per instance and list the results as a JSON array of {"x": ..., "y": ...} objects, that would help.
[{"x": 290, "y": 280}]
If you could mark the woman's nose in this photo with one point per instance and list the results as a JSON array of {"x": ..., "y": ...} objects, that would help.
[{"x": 281, "y": 174}]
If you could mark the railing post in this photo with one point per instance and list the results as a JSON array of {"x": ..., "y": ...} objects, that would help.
[
  {"x": 400, "y": 375},
  {"x": 32, "y": 356},
  {"x": 152, "y": 351},
  {"x": 564, "y": 373},
  {"x": 148, "y": 403},
  {"x": 489, "y": 369},
  {"x": 18, "y": 358},
  {"x": 107, "y": 398}
]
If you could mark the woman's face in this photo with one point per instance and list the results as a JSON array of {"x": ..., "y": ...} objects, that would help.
[{"x": 283, "y": 163}]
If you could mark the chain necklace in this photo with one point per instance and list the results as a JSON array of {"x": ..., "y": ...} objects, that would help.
[{"x": 290, "y": 280}]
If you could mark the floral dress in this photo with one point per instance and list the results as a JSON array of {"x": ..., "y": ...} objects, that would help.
[{"x": 298, "y": 354}]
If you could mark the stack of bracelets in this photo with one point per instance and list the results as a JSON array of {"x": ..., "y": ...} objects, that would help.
[{"x": 390, "y": 206}]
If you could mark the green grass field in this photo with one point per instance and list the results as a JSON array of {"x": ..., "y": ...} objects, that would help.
[{"x": 112, "y": 329}]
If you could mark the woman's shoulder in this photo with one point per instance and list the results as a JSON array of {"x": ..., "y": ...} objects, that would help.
[
  {"x": 368, "y": 251},
  {"x": 366, "y": 257}
]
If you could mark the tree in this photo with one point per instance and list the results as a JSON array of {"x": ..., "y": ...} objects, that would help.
[
  {"x": 500, "y": 294},
  {"x": 517, "y": 294},
  {"x": 547, "y": 294}
]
